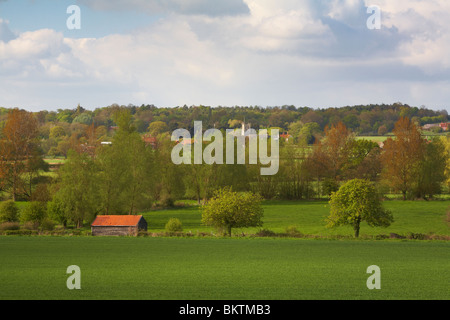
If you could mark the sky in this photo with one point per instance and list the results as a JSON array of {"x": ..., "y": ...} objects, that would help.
[{"x": 315, "y": 53}]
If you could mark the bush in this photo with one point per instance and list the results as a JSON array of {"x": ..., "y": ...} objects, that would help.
[
  {"x": 417, "y": 236},
  {"x": 29, "y": 225},
  {"x": 167, "y": 201},
  {"x": 174, "y": 225},
  {"x": 17, "y": 232},
  {"x": 329, "y": 186},
  {"x": 293, "y": 231},
  {"x": 47, "y": 225},
  {"x": 266, "y": 233},
  {"x": 9, "y": 212},
  {"x": 34, "y": 212},
  {"x": 9, "y": 226}
]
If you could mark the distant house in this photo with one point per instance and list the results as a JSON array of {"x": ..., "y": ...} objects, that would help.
[
  {"x": 445, "y": 126},
  {"x": 286, "y": 136},
  {"x": 430, "y": 125},
  {"x": 118, "y": 225},
  {"x": 149, "y": 140}
]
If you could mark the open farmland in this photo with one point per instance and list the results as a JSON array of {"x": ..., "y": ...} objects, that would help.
[{"x": 210, "y": 268}]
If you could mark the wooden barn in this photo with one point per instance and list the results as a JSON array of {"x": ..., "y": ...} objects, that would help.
[{"x": 118, "y": 225}]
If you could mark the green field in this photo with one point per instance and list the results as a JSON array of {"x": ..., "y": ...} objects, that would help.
[
  {"x": 221, "y": 269},
  {"x": 426, "y": 217}
]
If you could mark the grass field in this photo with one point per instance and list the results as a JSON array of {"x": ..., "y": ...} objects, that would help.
[
  {"x": 221, "y": 269},
  {"x": 426, "y": 217}
]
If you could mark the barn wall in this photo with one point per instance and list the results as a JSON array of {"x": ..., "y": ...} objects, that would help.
[
  {"x": 114, "y": 231},
  {"x": 142, "y": 224}
]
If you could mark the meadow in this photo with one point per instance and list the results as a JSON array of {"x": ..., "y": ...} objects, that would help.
[
  {"x": 424, "y": 217},
  {"x": 221, "y": 268}
]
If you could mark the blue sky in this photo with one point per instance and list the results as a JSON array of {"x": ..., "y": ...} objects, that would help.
[
  {"x": 27, "y": 15},
  {"x": 316, "y": 53}
]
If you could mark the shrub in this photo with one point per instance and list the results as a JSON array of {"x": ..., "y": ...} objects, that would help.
[
  {"x": 167, "y": 200},
  {"x": 417, "y": 236},
  {"x": 9, "y": 226},
  {"x": 9, "y": 212},
  {"x": 47, "y": 225},
  {"x": 29, "y": 225},
  {"x": 17, "y": 232},
  {"x": 265, "y": 233},
  {"x": 329, "y": 186},
  {"x": 174, "y": 225},
  {"x": 34, "y": 212},
  {"x": 293, "y": 231}
]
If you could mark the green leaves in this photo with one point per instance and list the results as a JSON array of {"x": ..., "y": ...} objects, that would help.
[
  {"x": 357, "y": 201},
  {"x": 228, "y": 209}
]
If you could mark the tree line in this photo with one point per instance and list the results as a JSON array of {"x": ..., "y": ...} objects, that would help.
[{"x": 135, "y": 172}]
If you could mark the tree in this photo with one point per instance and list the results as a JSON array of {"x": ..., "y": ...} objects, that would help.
[
  {"x": 125, "y": 171},
  {"x": 431, "y": 172},
  {"x": 9, "y": 212},
  {"x": 402, "y": 156},
  {"x": 78, "y": 190},
  {"x": 157, "y": 127},
  {"x": 356, "y": 201},
  {"x": 330, "y": 157},
  {"x": 446, "y": 143},
  {"x": 35, "y": 212},
  {"x": 228, "y": 209},
  {"x": 17, "y": 146},
  {"x": 363, "y": 161}
]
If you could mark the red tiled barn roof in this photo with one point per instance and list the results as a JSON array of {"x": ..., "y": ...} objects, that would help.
[{"x": 116, "y": 221}]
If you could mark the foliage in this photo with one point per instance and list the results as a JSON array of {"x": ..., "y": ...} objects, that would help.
[
  {"x": 35, "y": 212},
  {"x": 402, "y": 156},
  {"x": 357, "y": 201},
  {"x": 18, "y": 141},
  {"x": 9, "y": 212},
  {"x": 228, "y": 209},
  {"x": 431, "y": 171},
  {"x": 78, "y": 192},
  {"x": 174, "y": 225},
  {"x": 9, "y": 226},
  {"x": 47, "y": 225}
]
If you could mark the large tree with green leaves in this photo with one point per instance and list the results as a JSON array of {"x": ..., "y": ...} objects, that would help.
[
  {"x": 228, "y": 209},
  {"x": 126, "y": 170},
  {"x": 356, "y": 201},
  {"x": 78, "y": 194}
]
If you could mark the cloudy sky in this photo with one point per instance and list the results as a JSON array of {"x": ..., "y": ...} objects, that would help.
[{"x": 316, "y": 53}]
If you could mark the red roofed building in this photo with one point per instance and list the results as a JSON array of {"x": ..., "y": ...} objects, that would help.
[
  {"x": 118, "y": 225},
  {"x": 445, "y": 126}
]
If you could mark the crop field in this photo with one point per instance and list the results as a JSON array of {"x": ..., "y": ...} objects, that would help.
[{"x": 219, "y": 268}]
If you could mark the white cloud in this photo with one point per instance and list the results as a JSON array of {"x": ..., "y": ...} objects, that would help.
[{"x": 282, "y": 52}]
